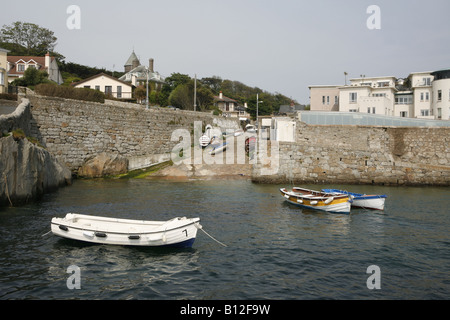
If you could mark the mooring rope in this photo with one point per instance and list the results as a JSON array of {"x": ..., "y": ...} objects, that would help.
[
  {"x": 201, "y": 228},
  {"x": 46, "y": 233}
]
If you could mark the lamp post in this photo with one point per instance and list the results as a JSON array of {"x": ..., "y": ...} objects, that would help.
[
  {"x": 146, "y": 99},
  {"x": 257, "y": 108},
  {"x": 195, "y": 93}
]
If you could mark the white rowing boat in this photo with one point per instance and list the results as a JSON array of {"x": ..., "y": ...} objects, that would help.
[
  {"x": 367, "y": 201},
  {"x": 177, "y": 232}
]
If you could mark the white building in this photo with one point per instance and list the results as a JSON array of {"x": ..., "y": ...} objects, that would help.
[
  {"x": 421, "y": 86},
  {"x": 424, "y": 95},
  {"x": 107, "y": 84},
  {"x": 441, "y": 94},
  {"x": 374, "y": 95}
]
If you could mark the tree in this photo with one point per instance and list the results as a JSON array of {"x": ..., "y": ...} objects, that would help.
[
  {"x": 28, "y": 38},
  {"x": 183, "y": 97},
  {"x": 32, "y": 77}
]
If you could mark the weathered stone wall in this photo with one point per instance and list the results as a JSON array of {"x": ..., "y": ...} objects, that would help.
[
  {"x": 363, "y": 155},
  {"x": 77, "y": 130}
]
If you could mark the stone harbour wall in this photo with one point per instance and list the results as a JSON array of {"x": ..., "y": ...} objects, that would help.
[
  {"x": 363, "y": 155},
  {"x": 75, "y": 131}
]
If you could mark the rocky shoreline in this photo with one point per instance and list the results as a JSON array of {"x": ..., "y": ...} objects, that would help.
[{"x": 28, "y": 171}]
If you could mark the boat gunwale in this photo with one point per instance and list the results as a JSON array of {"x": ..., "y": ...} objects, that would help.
[
  {"x": 77, "y": 227},
  {"x": 320, "y": 196}
]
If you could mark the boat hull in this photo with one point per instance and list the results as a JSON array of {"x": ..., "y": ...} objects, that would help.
[
  {"x": 178, "y": 232},
  {"x": 317, "y": 200}
]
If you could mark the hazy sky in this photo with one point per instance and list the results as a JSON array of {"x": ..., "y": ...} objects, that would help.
[{"x": 279, "y": 46}]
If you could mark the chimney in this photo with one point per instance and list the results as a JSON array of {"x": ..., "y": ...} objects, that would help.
[
  {"x": 150, "y": 65},
  {"x": 47, "y": 60},
  {"x": 221, "y": 95}
]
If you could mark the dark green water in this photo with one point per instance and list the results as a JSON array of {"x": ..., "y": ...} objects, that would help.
[{"x": 274, "y": 250}]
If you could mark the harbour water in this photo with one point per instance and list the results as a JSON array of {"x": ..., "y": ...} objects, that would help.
[{"x": 273, "y": 250}]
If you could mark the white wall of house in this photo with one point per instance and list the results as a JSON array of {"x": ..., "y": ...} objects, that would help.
[
  {"x": 441, "y": 99},
  {"x": 107, "y": 85},
  {"x": 324, "y": 98},
  {"x": 3, "y": 71}
]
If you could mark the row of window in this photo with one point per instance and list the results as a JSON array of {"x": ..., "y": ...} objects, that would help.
[
  {"x": 424, "y": 96},
  {"x": 21, "y": 67},
  {"x": 108, "y": 90},
  {"x": 423, "y": 113},
  {"x": 326, "y": 100}
]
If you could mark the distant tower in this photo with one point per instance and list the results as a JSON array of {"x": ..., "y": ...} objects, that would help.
[{"x": 132, "y": 62}]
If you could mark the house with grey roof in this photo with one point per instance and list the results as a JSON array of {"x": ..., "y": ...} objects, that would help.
[{"x": 137, "y": 74}]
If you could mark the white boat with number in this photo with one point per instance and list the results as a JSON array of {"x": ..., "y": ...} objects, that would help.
[{"x": 177, "y": 232}]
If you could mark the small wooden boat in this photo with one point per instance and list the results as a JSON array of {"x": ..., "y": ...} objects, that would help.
[
  {"x": 367, "y": 201},
  {"x": 317, "y": 200},
  {"x": 177, "y": 232}
]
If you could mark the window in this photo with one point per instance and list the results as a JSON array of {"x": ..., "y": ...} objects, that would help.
[
  {"x": 323, "y": 99},
  {"x": 119, "y": 91},
  {"x": 108, "y": 90},
  {"x": 87, "y": 87},
  {"x": 421, "y": 96},
  {"x": 21, "y": 67},
  {"x": 97, "y": 88},
  {"x": 404, "y": 100},
  {"x": 427, "y": 96},
  {"x": 439, "y": 95},
  {"x": 328, "y": 99},
  {"x": 403, "y": 114},
  {"x": 353, "y": 97},
  {"x": 336, "y": 99},
  {"x": 373, "y": 110},
  {"x": 427, "y": 81},
  {"x": 425, "y": 113}
]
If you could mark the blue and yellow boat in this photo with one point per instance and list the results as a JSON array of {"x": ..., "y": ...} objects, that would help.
[{"x": 318, "y": 200}]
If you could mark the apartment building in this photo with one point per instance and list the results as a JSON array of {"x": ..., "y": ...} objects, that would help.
[{"x": 423, "y": 95}]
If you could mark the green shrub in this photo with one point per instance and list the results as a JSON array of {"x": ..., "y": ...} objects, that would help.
[{"x": 84, "y": 94}]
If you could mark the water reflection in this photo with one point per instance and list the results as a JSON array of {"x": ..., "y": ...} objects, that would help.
[{"x": 132, "y": 271}]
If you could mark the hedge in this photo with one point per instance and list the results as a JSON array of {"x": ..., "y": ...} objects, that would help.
[{"x": 84, "y": 94}]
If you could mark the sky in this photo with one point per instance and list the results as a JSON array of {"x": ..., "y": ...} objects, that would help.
[{"x": 279, "y": 46}]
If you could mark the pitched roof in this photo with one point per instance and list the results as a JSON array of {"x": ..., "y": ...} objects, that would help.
[
  {"x": 224, "y": 99},
  {"x": 100, "y": 75},
  {"x": 131, "y": 59},
  {"x": 26, "y": 59}
]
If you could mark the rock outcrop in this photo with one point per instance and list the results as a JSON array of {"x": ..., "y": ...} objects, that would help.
[
  {"x": 103, "y": 165},
  {"x": 27, "y": 171}
]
